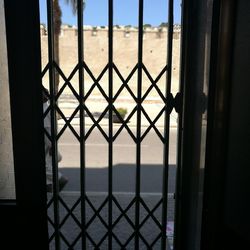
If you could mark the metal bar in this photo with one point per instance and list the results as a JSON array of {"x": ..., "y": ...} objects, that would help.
[
  {"x": 155, "y": 240},
  {"x": 110, "y": 102},
  {"x": 128, "y": 240},
  {"x": 151, "y": 213},
  {"x": 124, "y": 82},
  {"x": 96, "y": 81},
  {"x": 65, "y": 240},
  {"x": 152, "y": 124},
  {"x": 70, "y": 213},
  {"x": 96, "y": 211},
  {"x": 50, "y": 21},
  {"x": 44, "y": 71},
  {"x": 96, "y": 123},
  {"x": 67, "y": 123},
  {"x": 138, "y": 132},
  {"x": 92, "y": 241},
  {"x": 123, "y": 213},
  {"x": 124, "y": 125},
  {"x": 153, "y": 83},
  {"x": 166, "y": 125},
  {"x": 66, "y": 81},
  {"x": 144, "y": 241},
  {"x": 82, "y": 119}
]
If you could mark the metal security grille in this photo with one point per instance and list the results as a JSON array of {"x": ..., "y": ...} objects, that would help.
[{"x": 110, "y": 202}]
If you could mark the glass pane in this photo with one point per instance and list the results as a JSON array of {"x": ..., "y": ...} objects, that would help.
[{"x": 7, "y": 182}]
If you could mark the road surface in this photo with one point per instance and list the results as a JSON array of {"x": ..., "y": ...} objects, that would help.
[{"x": 124, "y": 161}]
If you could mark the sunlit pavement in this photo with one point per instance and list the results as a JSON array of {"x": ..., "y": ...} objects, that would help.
[{"x": 98, "y": 105}]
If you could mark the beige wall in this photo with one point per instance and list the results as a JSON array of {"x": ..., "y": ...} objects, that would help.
[
  {"x": 7, "y": 183},
  {"x": 125, "y": 51}
]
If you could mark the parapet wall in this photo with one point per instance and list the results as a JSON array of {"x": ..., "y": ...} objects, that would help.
[{"x": 125, "y": 51}]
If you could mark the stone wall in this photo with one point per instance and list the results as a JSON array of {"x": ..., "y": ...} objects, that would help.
[{"x": 125, "y": 54}]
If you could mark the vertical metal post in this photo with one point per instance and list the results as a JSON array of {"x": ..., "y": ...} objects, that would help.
[
  {"x": 177, "y": 218},
  {"x": 110, "y": 94},
  {"x": 50, "y": 17},
  {"x": 138, "y": 132},
  {"x": 82, "y": 119},
  {"x": 166, "y": 125}
]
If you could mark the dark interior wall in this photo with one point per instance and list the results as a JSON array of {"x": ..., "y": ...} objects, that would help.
[
  {"x": 237, "y": 185},
  {"x": 225, "y": 222}
]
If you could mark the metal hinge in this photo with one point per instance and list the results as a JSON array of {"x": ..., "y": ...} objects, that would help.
[{"x": 177, "y": 102}]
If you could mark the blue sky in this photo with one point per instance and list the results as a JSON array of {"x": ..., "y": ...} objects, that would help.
[{"x": 125, "y": 12}]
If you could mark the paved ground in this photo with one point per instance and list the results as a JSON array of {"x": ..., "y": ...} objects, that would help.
[
  {"x": 97, "y": 105},
  {"x": 123, "y": 179},
  {"x": 122, "y": 228},
  {"x": 124, "y": 191}
]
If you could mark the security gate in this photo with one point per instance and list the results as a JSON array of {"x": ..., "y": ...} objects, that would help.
[{"x": 110, "y": 239}]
